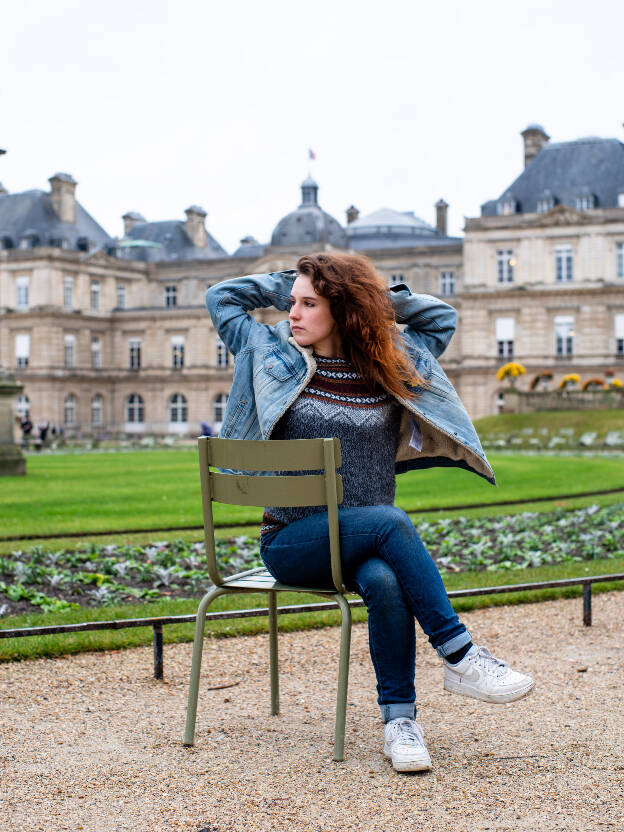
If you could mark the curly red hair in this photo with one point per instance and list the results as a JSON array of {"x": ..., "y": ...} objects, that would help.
[{"x": 361, "y": 306}]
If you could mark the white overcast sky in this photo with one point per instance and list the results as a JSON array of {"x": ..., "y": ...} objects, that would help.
[{"x": 154, "y": 106}]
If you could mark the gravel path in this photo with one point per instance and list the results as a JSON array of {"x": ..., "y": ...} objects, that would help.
[{"x": 92, "y": 742}]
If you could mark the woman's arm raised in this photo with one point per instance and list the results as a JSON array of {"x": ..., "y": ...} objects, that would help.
[
  {"x": 430, "y": 322},
  {"x": 230, "y": 302}
]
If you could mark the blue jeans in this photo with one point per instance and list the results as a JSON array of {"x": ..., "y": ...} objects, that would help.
[{"x": 383, "y": 560}]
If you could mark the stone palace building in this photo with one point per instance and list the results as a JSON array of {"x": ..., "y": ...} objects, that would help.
[{"x": 110, "y": 336}]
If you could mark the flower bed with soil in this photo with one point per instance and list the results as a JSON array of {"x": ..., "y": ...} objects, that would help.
[{"x": 94, "y": 575}]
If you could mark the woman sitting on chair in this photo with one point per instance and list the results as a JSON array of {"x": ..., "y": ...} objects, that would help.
[{"x": 339, "y": 366}]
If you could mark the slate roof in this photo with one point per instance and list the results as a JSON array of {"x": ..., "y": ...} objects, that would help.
[
  {"x": 31, "y": 213},
  {"x": 164, "y": 241},
  {"x": 387, "y": 228},
  {"x": 249, "y": 247},
  {"x": 568, "y": 170}
]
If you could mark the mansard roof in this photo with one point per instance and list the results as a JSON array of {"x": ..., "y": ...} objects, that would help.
[
  {"x": 164, "y": 241},
  {"x": 566, "y": 171},
  {"x": 30, "y": 214}
]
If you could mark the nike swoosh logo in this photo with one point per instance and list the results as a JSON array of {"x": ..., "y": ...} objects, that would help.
[{"x": 471, "y": 675}]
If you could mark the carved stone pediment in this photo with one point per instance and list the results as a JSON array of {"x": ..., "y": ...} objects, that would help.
[
  {"x": 98, "y": 257},
  {"x": 561, "y": 215}
]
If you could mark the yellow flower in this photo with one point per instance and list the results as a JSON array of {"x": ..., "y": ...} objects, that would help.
[
  {"x": 513, "y": 369},
  {"x": 571, "y": 378}
]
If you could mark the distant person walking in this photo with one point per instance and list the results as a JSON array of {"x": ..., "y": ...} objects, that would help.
[
  {"x": 26, "y": 425},
  {"x": 339, "y": 366}
]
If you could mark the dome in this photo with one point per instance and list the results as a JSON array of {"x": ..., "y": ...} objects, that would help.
[
  {"x": 309, "y": 223},
  {"x": 387, "y": 228}
]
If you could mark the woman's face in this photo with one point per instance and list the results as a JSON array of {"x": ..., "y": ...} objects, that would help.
[{"x": 311, "y": 320}]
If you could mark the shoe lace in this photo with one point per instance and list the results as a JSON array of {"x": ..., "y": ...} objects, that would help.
[
  {"x": 408, "y": 732},
  {"x": 492, "y": 665}
]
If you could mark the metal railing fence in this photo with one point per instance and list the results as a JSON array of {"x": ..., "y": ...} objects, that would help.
[{"x": 159, "y": 622}]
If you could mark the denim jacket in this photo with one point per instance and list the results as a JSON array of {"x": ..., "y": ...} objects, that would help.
[{"x": 271, "y": 370}]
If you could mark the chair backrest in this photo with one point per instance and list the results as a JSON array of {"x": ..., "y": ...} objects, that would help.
[{"x": 270, "y": 456}]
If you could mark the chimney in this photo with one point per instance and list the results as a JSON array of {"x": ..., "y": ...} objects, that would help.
[
  {"x": 352, "y": 214},
  {"x": 130, "y": 219},
  {"x": 63, "y": 196},
  {"x": 535, "y": 137},
  {"x": 441, "y": 216},
  {"x": 195, "y": 225}
]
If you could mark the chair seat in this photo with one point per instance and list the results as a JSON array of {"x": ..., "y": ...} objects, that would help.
[{"x": 261, "y": 580}]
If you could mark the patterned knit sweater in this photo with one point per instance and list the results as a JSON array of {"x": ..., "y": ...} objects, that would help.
[{"x": 337, "y": 402}]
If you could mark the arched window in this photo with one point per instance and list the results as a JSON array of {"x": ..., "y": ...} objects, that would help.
[
  {"x": 69, "y": 409},
  {"x": 135, "y": 409},
  {"x": 220, "y": 401},
  {"x": 97, "y": 406},
  {"x": 223, "y": 356},
  {"x": 23, "y": 406},
  {"x": 178, "y": 408}
]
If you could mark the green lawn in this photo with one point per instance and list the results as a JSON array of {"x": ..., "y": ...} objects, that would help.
[
  {"x": 601, "y": 421},
  {"x": 117, "y": 491}
]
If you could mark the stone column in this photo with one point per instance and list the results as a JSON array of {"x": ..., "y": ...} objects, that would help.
[{"x": 12, "y": 461}]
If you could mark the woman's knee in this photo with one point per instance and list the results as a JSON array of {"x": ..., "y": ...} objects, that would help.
[
  {"x": 396, "y": 519},
  {"x": 379, "y": 583}
]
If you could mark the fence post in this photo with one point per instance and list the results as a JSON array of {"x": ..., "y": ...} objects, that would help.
[
  {"x": 587, "y": 604},
  {"x": 158, "y": 651}
]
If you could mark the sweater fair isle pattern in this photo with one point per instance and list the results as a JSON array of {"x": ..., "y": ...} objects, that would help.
[{"x": 337, "y": 402}]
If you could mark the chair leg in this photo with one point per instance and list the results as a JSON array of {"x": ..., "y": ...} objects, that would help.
[
  {"x": 343, "y": 677},
  {"x": 273, "y": 653},
  {"x": 198, "y": 645}
]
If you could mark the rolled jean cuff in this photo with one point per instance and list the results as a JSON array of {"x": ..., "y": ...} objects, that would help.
[
  {"x": 454, "y": 644},
  {"x": 398, "y": 710}
]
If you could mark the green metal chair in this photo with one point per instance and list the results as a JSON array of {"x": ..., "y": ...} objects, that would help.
[{"x": 277, "y": 490}]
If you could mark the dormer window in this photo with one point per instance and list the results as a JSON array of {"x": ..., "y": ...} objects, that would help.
[
  {"x": 546, "y": 202},
  {"x": 59, "y": 242},
  {"x": 28, "y": 240},
  {"x": 506, "y": 205},
  {"x": 6, "y": 242},
  {"x": 82, "y": 244},
  {"x": 585, "y": 202},
  {"x": 621, "y": 199}
]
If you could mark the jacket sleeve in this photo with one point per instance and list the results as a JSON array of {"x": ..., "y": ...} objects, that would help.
[
  {"x": 230, "y": 302},
  {"x": 429, "y": 322}
]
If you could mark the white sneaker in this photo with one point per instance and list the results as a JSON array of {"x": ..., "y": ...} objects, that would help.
[
  {"x": 482, "y": 676},
  {"x": 405, "y": 744}
]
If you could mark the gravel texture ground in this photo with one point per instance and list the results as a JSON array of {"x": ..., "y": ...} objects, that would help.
[{"x": 92, "y": 742}]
